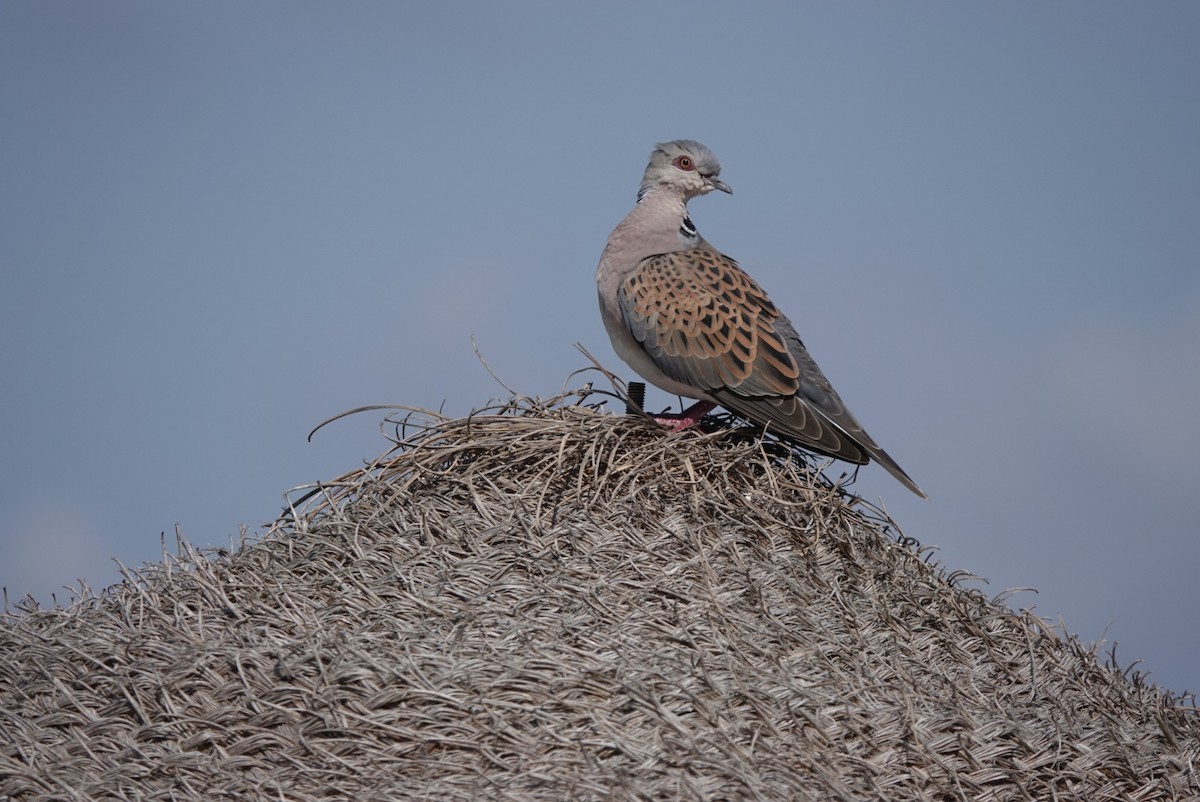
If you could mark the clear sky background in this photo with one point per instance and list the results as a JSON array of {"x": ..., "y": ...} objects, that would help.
[{"x": 221, "y": 223}]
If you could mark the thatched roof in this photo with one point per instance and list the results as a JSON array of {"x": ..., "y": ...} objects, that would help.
[{"x": 547, "y": 602}]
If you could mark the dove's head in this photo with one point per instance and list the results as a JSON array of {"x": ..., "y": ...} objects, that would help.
[{"x": 682, "y": 166}]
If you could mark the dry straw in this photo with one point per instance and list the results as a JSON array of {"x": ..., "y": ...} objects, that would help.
[{"x": 542, "y": 601}]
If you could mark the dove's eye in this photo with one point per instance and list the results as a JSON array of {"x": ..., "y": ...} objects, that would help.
[{"x": 685, "y": 163}]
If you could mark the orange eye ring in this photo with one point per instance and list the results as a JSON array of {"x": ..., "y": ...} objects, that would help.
[{"x": 685, "y": 163}]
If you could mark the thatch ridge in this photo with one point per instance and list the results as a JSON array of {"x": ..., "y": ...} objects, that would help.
[{"x": 542, "y": 601}]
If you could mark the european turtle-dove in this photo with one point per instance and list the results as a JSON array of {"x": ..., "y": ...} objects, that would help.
[{"x": 684, "y": 316}]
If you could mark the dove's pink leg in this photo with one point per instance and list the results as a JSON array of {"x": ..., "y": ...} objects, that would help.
[{"x": 689, "y": 417}]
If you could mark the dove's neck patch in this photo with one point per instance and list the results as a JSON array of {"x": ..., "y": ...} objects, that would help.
[{"x": 688, "y": 230}]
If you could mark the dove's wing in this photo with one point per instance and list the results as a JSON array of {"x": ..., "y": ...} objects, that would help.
[{"x": 705, "y": 323}]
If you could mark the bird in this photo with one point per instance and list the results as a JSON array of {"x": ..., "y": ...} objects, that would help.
[{"x": 690, "y": 321}]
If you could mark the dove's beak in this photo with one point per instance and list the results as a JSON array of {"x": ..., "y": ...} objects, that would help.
[{"x": 717, "y": 183}]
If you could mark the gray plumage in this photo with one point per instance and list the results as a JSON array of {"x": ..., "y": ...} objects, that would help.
[{"x": 690, "y": 321}]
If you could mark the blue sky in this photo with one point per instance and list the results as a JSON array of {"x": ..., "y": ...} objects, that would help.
[{"x": 221, "y": 223}]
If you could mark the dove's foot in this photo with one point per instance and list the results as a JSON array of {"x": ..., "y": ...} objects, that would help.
[{"x": 689, "y": 417}]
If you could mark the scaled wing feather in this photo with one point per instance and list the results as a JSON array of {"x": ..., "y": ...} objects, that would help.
[{"x": 707, "y": 324}]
